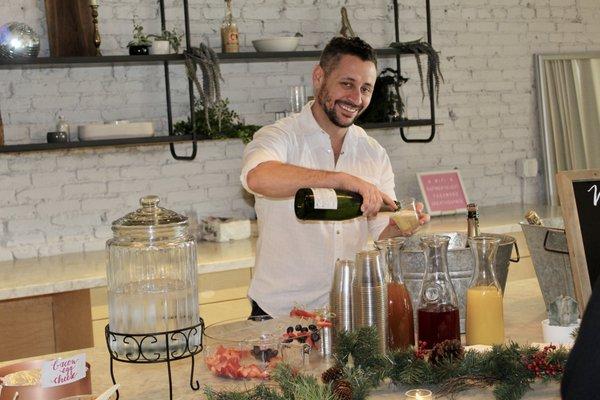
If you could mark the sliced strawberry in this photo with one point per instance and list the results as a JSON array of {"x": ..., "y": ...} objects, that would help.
[{"x": 298, "y": 312}]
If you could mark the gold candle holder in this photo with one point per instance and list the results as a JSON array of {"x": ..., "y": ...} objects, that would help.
[{"x": 97, "y": 40}]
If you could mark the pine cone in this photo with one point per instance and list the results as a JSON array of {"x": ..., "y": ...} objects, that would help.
[
  {"x": 332, "y": 374},
  {"x": 447, "y": 350},
  {"x": 342, "y": 389}
]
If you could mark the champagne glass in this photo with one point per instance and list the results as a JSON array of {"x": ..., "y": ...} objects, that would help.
[
  {"x": 406, "y": 218},
  {"x": 297, "y": 98}
]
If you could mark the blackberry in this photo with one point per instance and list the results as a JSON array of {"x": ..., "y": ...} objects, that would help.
[
  {"x": 298, "y": 328},
  {"x": 313, "y": 327},
  {"x": 304, "y": 329},
  {"x": 290, "y": 329}
]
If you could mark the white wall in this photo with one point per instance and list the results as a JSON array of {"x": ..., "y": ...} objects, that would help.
[{"x": 62, "y": 201}]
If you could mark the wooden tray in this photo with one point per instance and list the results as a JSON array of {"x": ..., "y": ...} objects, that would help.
[{"x": 70, "y": 29}]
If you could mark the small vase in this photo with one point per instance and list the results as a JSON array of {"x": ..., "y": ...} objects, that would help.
[
  {"x": 160, "y": 47},
  {"x": 558, "y": 334},
  {"x": 138, "y": 50}
]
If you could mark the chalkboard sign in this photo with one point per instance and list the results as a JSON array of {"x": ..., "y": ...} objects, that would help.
[{"x": 579, "y": 193}]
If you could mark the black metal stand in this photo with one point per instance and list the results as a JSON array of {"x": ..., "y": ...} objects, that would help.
[{"x": 141, "y": 349}]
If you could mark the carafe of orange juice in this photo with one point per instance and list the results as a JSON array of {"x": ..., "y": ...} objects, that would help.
[
  {"x": 401, "y": 329},
  {"x": 485, "y": 318}
]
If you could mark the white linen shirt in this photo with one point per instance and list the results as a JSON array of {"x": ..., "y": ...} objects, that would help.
[{"x": 295, "y": 259}]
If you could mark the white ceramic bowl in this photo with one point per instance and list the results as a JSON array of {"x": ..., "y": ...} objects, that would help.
[{"x": 288, "y": 43}]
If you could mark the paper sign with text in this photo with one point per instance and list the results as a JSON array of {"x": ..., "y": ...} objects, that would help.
[
  {"x": 443, "y": 192},
  {"x": 63, "y": 370}
]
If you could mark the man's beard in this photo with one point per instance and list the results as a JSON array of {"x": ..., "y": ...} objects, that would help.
[{"x": 330, "y": 111}]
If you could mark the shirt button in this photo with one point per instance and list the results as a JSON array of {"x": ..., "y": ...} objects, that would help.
[{"x": 338, "y": 232}]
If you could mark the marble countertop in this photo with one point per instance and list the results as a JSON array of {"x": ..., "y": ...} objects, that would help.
[
  {"x": 523, "y": 310},
  {"x": 75, "y": 271}
]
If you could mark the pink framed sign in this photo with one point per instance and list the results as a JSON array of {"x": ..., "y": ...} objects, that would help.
[{"x": 443, "y": 192}]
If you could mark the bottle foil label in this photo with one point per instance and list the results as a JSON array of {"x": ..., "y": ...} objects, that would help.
[{"x": 325, "y": 199}]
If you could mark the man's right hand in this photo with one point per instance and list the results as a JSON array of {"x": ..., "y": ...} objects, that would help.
[{"x": 373, "y": 198}]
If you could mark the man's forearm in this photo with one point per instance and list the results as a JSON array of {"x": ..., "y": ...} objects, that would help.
[{"x": 279, "y": 180}]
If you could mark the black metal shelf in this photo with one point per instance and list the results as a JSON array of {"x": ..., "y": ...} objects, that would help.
[
  {"x": 89, "y": 60},
  {"x": 241, "y": 57},
  {"x": 14, "y": 148}
]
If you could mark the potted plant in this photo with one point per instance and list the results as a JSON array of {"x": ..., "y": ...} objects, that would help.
[
  {"x": 167, "y": 42},
  {"x": 140, "y": 43}
]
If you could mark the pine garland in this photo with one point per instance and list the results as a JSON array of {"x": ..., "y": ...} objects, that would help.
[{"x": 509, "y": 369}]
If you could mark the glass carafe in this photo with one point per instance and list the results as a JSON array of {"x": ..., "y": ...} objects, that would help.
[
  {"x": 152, "y": 278},
  {"x": 437, "y": 314},
  {"x": 485, "y": 319},
  {"x": 401, "y": 330}
]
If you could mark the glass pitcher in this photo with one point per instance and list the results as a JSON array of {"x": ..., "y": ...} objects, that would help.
[
  {"x": 485, "y": 318},
  {"x": 401, "y": 330},
  {"x": 152, "y": 278},
  {"x": 438, "y": 317}
]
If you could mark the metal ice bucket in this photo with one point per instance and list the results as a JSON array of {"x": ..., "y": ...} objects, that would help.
[
  {"x": 550, "y": 256},
  {"x": 460, "y": 266}
]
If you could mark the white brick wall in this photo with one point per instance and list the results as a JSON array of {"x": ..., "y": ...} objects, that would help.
[{"x": 53, "y": 202}]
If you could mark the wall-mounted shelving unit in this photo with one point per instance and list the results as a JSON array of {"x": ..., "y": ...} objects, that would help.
[{"x": 166, "y": 60}]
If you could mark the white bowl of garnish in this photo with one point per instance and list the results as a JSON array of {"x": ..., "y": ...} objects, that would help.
[{"x": 283, "y": 43}]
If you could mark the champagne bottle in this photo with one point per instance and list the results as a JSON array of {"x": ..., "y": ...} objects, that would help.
[
  {"x": 533, "y": 218},
  {"x": 472, "y": 220},
  {"x": 328, "y": 204}
]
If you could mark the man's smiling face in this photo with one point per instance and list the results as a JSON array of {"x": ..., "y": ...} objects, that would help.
[{"x": 345, "y": 92}]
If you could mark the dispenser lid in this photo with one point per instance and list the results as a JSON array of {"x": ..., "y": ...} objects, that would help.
[{"x": 150, "y": 216}]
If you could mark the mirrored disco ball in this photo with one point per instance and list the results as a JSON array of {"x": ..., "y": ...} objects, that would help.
[{"x": 18, "y": 41}]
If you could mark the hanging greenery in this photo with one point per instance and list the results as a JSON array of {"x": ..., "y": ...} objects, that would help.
[
  {"x": 212, "y": 117},
  {"x": 418, "y": 47},
  {"x": 216, "y": 122},
  {"x": 509, "y": 369}
]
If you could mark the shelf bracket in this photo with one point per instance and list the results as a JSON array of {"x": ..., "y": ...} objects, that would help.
[
  {"x": 185, "y": 158},
  {"x": 429, "y": 75},
  {"x": 190, "y": 86}
]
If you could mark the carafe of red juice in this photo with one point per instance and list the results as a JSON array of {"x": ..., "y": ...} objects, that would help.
[
  {"x": 485, "y": 318},
  {"x": 401, "y": 331},
  {"x": 437, "y": 314}
]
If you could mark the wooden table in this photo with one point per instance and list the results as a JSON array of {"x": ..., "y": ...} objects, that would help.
[{"x": 523, "y": 310}]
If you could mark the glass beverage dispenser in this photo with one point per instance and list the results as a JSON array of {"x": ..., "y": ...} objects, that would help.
[{"x": 152, "y": 279}]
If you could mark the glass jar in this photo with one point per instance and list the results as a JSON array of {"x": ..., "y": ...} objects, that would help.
[
  {"x": 438, "y": 317},
  {"x": 485, "y": 318},
  {"x": 152, "y": 278},
  {"x": 401, "y": 330}
]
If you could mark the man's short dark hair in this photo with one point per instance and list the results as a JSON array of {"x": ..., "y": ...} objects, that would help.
[{"x": 341, "y": 46}]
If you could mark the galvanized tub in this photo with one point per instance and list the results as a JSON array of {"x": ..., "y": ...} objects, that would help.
[
  {"x": 460, "y": 266},
  {"x": 550, "y": 256}
]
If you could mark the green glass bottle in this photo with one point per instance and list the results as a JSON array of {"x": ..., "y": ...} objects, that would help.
[{"x": 320, "y": 204}]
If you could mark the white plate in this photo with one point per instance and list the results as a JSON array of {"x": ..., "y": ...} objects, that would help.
[{"x": 122, "y": 130}]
